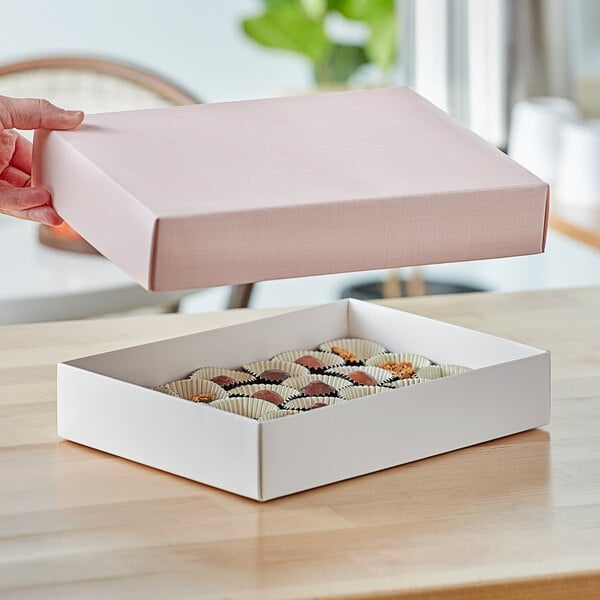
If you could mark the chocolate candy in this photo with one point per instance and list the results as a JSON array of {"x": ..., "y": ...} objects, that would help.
[
  {"x": 362, "y": 378},
  {"x": 274, "y": 375},
  {"x": 345, "y": 354},
  {"x": 310, "y": 362},
  {"x": 269, "y": 396},
  {"x": 402, "y": 370},
  {"x": 317, "y": 405},
  {"x": 202, "y": 398},
  {"x": 223, "y": 380},
  {"x": 318, "y": 388}
]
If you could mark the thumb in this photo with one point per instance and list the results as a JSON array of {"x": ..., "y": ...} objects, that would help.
[{"x": 32, "y": 113}]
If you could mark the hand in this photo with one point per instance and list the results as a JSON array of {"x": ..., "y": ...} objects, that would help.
[{"x": 17, "y": 197}]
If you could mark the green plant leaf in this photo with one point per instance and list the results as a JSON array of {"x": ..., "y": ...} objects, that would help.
[
  {"x": 315, "y": 9},
  {"x": 362, "y": 10},
  {"x": 340, "y": 64},
  {"x": 381, "y": 47},
  {"x": 287, "y": 26},
  {"x": 379, "y": 17}
]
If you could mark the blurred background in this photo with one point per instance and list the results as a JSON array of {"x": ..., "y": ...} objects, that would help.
[{"x": 524, "y": 74}]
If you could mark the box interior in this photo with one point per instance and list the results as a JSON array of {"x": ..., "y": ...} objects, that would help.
[{"x": 153, "y": 364}]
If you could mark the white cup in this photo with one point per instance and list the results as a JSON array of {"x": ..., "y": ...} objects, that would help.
[
  {"x": 578, "y": 177},
  {"x": 535, "y": 129}
]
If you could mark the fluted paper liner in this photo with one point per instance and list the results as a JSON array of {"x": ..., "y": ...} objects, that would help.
[
  {"x": 327, "y": 358},
  {"x": 207, "y": 373},
  {"x": 380, "y": 375},
  {"x": 287, "y": 393},
  {"x": 254, "y": 408},
  {"x": 417, "y": 360},
  {"x": 188, "y": 388},
  {"x": 359, "y": 391},
  {"x": 400, "y": 383},
  {"x": 437, "y": 371},
  {"x": 335, "y": 382},
  {"x": 362, "y": 349},
  {"x": 305, "y": 402},
  {"x": 256, "y": 368},
  {"x": 278, "y": 414}
]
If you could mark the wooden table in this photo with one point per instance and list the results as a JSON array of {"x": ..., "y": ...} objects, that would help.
[
  {"x": 515, "y": 518},
  {"x": 581, "y": 224}
]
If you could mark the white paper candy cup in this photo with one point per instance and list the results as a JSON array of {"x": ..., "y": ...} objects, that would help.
[
  {"x": 337, "y": 383},
  {"x": 327, "y": 358},
  {"x": 437, "y": 371},
  {"x": 362, "y": 349},
  {"x": 379, "y": 375},
  {"x": 287, "y": 393},
  {"x": 257, "y": 368},
  {"x": 165, "y": 390},
  {"x": 254, "y": 408},
  {"x": 207, "y": 373},
  {"x": 188, "y": 388},
  {"x": 417, "y": 360},
  {"x": 277, "y": 414},
  {"x": 360, "y": 391},
  {"x": 400, "y": 383},
  {"x": 305, "y": 402}
]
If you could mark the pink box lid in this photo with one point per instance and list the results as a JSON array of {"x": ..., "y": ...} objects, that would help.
[{"x": 237, "y": 192}]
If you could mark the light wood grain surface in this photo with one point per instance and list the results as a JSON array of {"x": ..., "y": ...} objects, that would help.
[
  {"x": 581, "y": 224},
  {"x": 515, "y": 518}
]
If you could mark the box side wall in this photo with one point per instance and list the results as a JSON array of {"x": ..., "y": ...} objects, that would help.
[
  {"x": 190, "y": 440},
  {"x": 107, "y": 216},
  {"x": 156, "y": 363},
  {"x": 546, "y": 218},
  {"x": 441, "y": 342},
  {"x": 369, "y": 434},
  {"x": 352, "y": 235}
]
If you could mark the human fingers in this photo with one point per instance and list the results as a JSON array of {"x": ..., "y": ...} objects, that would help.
[
  {"x": 41, "y": 214},
  {"x": 28, "y": 203},
  {"x": 34, "y": 113},
  {"x": 15, "y": 177},
  {"x": 21, "y": 158},
  {"x": 12, "y": 198}
]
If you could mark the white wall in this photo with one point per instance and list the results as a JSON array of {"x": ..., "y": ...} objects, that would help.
[{"x": 198, "y": 43}]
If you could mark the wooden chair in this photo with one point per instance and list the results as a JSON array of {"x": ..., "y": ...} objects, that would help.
[{"x": 100, "y": 85}]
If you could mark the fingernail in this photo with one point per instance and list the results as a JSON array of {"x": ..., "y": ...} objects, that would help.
[
  {"x": 53, "y": 221},
  {"x": 74, "y": 113}
]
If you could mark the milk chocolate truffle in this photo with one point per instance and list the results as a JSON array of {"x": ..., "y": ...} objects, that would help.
[
  {"x": 310, "y": 362},
  {"x": 317, "y": 405},
  {"x": 269, "y": 396},
  {"x": 224, "y": 381},
  {"x": 362, "y": 378},
  {"x": 318, "y": 388},
  {"x": 274, "y": 375}
]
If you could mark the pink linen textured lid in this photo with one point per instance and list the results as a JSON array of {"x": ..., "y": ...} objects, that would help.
[{"x": 236, "y": 192}]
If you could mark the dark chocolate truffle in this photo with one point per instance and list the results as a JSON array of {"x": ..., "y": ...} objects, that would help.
[
  {"x": 274, "y": 375},
  {"x": 318, "y": 388},
  {"x": 223, "y": 380},
  {"x": 269, "y": 396},
  {"x": 362, "y": 378}
]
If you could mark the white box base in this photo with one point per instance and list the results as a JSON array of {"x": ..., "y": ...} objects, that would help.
[{"x": 104, "y": 402}]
